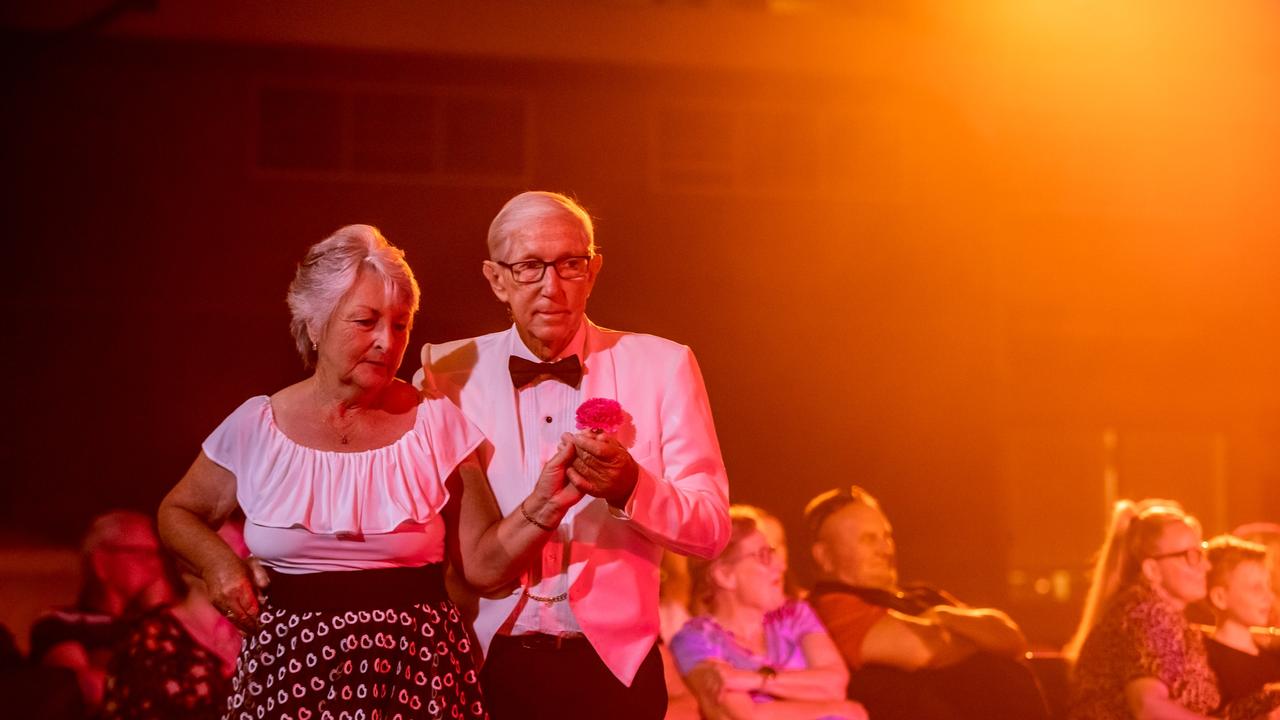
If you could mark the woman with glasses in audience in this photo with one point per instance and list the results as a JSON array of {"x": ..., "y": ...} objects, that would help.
[
  {"x": 122, "y": 576},
  {"x": 1135, "y": 653},
  {"x": 754, "y": 654}
]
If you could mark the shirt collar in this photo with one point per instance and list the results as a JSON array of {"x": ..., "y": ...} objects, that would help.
[{"x": 575, "y": 346}]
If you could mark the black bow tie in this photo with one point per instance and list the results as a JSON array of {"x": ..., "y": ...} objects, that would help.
[{"x": 523, "y": 372}]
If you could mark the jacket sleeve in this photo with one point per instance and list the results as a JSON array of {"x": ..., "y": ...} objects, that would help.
[{"x": 687, "y": 509}]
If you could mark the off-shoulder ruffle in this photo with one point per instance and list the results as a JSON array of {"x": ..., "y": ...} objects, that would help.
[{"x": 280, "y": 483}]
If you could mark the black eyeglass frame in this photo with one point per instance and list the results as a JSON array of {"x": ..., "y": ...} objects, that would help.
[
  {"x": 557, "y": 264},
  {"x": 1201, "y": 550}
]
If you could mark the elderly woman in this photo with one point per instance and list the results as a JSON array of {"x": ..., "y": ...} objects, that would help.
[
  {"x": 354, "y": 488},
  {"x": 1136, "y": 655},
  {"x": 754, "y": 654}
]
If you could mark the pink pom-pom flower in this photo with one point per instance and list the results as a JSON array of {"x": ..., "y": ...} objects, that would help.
[{"x": 600, "y": 413}]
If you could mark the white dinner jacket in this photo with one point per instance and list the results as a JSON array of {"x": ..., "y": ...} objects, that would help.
[{"x": 680, "y": 502}]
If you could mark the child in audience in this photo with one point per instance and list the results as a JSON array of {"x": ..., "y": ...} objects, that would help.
[{"x": 1241, "y": 597}]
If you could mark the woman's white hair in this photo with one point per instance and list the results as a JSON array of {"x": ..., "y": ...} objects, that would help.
[
  {"x": 329, "y": 271},
  {"x": 530, "y": 208}
]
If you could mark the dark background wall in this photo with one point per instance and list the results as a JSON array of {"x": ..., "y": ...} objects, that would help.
[{"x": 972, "y": 305}]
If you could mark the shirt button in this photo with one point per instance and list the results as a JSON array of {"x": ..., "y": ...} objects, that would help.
[{"x": 548, "y": 419}]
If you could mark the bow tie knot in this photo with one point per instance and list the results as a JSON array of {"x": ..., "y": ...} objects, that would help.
[{"x": 567, "y": 370}]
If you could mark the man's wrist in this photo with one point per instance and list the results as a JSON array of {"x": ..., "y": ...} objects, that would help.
[{"x": 620, "y": 500}]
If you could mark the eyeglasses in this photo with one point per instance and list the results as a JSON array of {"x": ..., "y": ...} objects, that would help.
[
  {"x": 527, "y": 272},
  {"x": 763, "y": 555},
  {"x": 1193, "y": 555}
]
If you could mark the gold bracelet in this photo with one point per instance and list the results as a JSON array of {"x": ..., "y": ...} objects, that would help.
[{"x": 527, "y": 516}]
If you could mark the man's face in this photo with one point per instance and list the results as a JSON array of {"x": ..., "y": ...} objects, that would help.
[
  {"x": 548, "y": 312},
  {"x": 855, "y": 546}
]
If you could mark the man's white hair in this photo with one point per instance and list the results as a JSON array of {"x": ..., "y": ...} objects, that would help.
[{"x": 530, "y": 208}]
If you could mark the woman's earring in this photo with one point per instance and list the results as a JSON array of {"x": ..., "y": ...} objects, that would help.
[{"x": 314, "y": 346}]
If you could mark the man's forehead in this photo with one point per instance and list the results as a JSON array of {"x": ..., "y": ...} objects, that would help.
[
  {"x": 856, "y": 518},
  {"x": 548, "y": 234}
]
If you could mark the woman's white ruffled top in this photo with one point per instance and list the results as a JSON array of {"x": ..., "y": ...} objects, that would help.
[{"x": 346, "y": 495}]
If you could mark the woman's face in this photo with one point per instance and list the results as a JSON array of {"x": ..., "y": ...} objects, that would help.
[
  {"x": 129, "y": 561},
  {"x": 366, "y": 336},
  {"x": 1181, "y": 563},
  {"x": 755, "y": 573}
]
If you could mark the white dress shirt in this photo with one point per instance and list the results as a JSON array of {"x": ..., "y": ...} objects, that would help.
[{"x": 546, "y": 409}]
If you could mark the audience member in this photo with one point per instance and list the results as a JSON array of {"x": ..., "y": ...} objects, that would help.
[
  {"x": 754, "y": 654},
  {"x": 914, "y": 653},
  {"x": 121, "y": 576},
  {"x": 776, "y": 534},
  {"x": 1267, "y": 534},
  {"x": 177, "y": 660},
  {"x": 1135, "y": 653},
  {"x": 673, "y": 613},
  {"x": 26, "y": 691},
  {"x": 1241, "y": 597}
]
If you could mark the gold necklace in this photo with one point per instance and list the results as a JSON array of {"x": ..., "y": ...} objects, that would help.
[{"x": 343, "y": 432}]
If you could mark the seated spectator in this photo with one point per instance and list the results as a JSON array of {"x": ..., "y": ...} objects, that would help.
[
  {"x": 754, "y": 654},
  {"x": 1267, "y": 534},
  {"x": 1241, "y": 598},
  {"x": 1135, "y": 653},
  {"x": 177, "y": 660},
  {"x": 673, "y": 613},
  {"x": 121, "y": 576},
  {"x": 776, "y": 534},
  {"x": 913, "y": 653},
  {"x": 47, "y": 693}
]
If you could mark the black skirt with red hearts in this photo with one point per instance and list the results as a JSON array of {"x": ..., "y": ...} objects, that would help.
[{"x": 358, "y": 645}]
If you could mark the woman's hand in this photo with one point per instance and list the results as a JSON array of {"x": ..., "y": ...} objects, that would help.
[
  {"x": 232, "y": 589},
  {"x": 706, "y": 680},
  {"x": 553, "y": 494}
]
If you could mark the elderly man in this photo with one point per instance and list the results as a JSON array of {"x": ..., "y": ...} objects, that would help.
[
  {"x": 577, "y": 637},
  {"x": 916, "y": 653}
]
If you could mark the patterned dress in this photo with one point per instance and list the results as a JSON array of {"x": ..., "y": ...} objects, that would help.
[
  {"x": 160, "y": 671},
  {"x": 1141, "y": 635},
  {"x": 356, "y": 624}
]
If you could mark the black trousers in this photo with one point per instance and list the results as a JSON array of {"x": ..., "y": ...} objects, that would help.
[{"x": 536, "y": 678}]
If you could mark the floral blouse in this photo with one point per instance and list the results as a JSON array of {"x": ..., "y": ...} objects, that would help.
[
  {"x": 1140, "y": 634},
  {"x": 160, "y": 671}
]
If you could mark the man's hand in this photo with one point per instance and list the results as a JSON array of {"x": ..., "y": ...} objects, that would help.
[{"x": 603, "y": 468}]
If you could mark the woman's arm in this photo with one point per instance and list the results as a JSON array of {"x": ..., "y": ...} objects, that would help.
[
  {"x": 72, "y": 655},
  {"x": 824, "y": 678},
  {"x": 1149, "y": 699},
  {"x": 711, "y": 680},
  {"x": 200, "y": 502},
  {"x": 740, "y": 706},
  {"x": 491, "y": 550}
]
